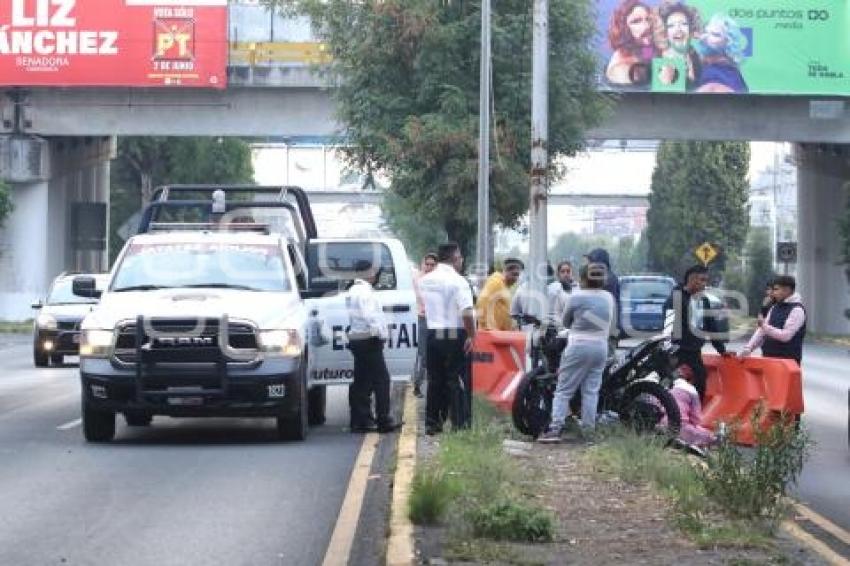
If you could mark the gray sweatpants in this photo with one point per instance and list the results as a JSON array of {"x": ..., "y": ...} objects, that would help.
[{"x": 581, "y": 366}]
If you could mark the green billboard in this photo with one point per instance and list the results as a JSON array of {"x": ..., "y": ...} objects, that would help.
[{"x": 797, "y": 47}]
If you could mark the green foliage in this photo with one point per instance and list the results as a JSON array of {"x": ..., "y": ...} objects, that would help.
[
  {"x": 143, "y": 163},
  {"x": 407, "y": 92},
  {"x": 699, "y": 194},
  {"x": 430, "y": 494},
  {"x": 511, "y": 520},
  {"x": 641, "y": 459},
  {"x": 754, "y": 486},
  {"x": 475, "y": 486},
  {"x": 419, "y": 232},
  {"x": 759, "y": 267},
  {"x": 6, "y": 205},
  {"x": 844, "y": 234},
  {"x": 627, "y": 256}
]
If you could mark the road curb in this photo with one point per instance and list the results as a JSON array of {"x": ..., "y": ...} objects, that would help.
[{"x": 400, "y": 550}]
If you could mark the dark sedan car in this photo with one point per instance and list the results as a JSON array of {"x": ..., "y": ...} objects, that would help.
[
  {"x": 642, "y": 300},
  {"x": 56, "y": 329}
]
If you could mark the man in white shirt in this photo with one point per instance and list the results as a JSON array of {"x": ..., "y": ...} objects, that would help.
[
  {"x": 451, "y": 329},
  {"x": 429, "y": 262},
  {"x": 366, "y": 338}
]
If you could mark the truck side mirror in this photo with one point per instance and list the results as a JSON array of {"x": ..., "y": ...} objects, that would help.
[
  {"x": 37, "y": 305},
  {"x": 85, "y": 286}
]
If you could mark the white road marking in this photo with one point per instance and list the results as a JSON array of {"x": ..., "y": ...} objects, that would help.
[{"x": 70, "y": 425}]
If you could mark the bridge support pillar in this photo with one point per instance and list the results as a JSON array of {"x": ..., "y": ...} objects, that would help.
[
  {"x": 60, "y": 193},
  {"x": 823, "y": 177}
]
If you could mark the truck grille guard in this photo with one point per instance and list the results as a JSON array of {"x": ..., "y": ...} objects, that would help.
[{"x": 188, "y": 347}]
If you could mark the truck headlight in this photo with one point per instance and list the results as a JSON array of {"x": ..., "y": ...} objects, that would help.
[
  {"x": 96, "y": 343},
  {"x": 46, "y": 322},
  {"x": 285, "y": 343}
]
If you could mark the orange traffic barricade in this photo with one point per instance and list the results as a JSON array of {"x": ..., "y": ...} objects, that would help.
[
  {"x": 498, "y": 364},
  {"x": 736, "y": 388}
]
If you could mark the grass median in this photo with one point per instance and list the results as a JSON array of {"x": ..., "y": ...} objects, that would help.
[
  {"x": 15, "y": 327},
  {"x": 735, "y": 498},
  {"x": 471, "y": 484}
]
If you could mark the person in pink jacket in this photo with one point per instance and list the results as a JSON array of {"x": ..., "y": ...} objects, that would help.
[{"x": 690, "y": 408}]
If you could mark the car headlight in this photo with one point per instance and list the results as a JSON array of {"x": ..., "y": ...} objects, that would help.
[
  {"x": 96, "y": 343},
  {"x": 46, "y": 321},
  {"x": 285, "y": 343}
]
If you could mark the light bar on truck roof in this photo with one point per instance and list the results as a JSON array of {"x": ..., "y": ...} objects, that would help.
[{"x": 255, "y": 227}]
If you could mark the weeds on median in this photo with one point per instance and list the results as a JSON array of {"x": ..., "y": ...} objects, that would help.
[
  {"x": 753, "y": 485},
  {"x": 731, "y": 500},
  {"x": 474, "y": 485}
]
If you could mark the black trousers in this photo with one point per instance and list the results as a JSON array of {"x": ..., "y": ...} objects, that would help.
[
  {"x": 693, "y": 358},
  {"x": 370, "y": 376},
  {"x": 449, "y": 392},
  {"x": 421, "y": 351}
]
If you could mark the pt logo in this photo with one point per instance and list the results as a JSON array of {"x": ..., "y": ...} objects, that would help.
[{"x": 174, "y": 39}]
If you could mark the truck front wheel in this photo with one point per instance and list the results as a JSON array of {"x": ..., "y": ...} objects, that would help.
[
  {"x": 317, "y": 400},
  {"x": 98, "y": 426},
  {"x": 292, "y": 425}
]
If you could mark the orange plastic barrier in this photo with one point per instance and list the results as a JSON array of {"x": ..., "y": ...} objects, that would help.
[
  {"x": 736, "y": 387},
  {"x": 498, "y": 363}
]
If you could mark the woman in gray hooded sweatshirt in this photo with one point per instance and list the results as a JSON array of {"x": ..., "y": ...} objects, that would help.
[{"x": 590, "y": 320}]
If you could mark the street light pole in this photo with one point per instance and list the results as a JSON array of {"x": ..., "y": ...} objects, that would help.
[
  {"x": 539, "y": 153},
  {"x": 483, "y": 240}
]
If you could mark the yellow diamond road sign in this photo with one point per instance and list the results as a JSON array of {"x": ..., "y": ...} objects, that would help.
[{"x": 706, "y": 252}]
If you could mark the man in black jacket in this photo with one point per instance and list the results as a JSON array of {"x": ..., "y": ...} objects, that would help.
[{"x": 691, "y": 320}]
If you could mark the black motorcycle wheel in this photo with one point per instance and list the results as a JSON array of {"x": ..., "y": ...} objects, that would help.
[
  {"x": 644, "y": 405},
  {"x": 532, "y": 407}
]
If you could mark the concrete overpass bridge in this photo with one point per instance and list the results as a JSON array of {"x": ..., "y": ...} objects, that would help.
[{"x": 55, "y": 145}]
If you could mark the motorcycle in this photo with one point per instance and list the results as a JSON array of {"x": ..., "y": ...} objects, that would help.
[{"x": 635, "y": 388}]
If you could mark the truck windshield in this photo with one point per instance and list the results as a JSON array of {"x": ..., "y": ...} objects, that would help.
[
  {"x": 61, "y": 294},
  {"x": 253, "y": 267}
]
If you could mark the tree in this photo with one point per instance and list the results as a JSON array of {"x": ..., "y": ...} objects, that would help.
[
  {"x": 759, "y": 267},
  {"x": 406, "y": 76},
  {"x": 699, "y": 194},
  {"x": 627, "y": 256},
  {"x": 415, "y": 228},
  {"x": 6, "y": 205},
  {"x": 143, "y": 163}
]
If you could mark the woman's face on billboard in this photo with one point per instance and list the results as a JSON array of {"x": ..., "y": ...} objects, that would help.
[
  {"x": 639, "y": 25},
  {"x": 678, "y": 30}
]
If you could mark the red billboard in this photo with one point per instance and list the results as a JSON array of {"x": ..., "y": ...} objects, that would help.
[{"x": 142, "y": 43}]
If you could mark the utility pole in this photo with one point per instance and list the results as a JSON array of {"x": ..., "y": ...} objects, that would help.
[
  {"x": 482, "y": 257},
  {"x": 539, "y": 153}
]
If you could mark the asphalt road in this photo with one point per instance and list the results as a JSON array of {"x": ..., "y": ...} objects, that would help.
[
  {"x": 198, "y": 491},
  {"x": 825, "y": 483}
]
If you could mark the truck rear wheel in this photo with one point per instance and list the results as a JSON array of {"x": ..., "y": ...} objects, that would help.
[
  {"x": 317, "y": 400},
  {"x": 98, "y": 426},
  {"x": 292, "y": 425}
]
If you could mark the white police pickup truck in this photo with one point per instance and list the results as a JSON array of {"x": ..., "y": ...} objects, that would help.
[{"x": 213, "y": 317}]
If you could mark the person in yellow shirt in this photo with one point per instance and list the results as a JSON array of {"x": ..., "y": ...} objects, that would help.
[{"x": 494, "y": 303}]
